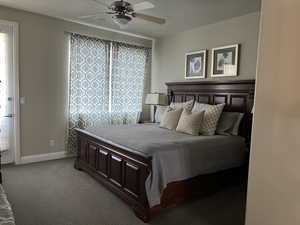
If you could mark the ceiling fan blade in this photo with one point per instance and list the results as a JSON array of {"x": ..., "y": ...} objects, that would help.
[
  {"x": 101, "y": 2},
  {"x": 142, "y": 6},
  {"x": 91, "y": 16},
  {"x": 112, "y": 13},
  {"x": 149, "y": 18}
]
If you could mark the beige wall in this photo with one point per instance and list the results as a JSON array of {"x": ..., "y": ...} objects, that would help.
[
  {"x": 274, "y": 182},
  {"x": 43, "y": 76},
  {"x": 169, "y": 53}
]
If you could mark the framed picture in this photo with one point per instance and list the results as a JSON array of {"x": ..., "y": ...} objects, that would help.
[
  {"x": 225, "y": 61},
  {"x": 195, "y": 65}
]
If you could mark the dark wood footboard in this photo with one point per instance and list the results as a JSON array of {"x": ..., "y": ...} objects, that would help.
[{"x": 122, "y": 171}]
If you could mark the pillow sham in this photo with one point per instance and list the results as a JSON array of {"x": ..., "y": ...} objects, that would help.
[
  {"x": 229, "y": 123},
  {"x": 186, "y": 105},
  {"x": 236, "y": 127},
  {"x": 171, "y": 118},
  {"x": 211, "y": 117},
  {"x": 190, "y": 122},
  {"x": 159, "y": 114}
]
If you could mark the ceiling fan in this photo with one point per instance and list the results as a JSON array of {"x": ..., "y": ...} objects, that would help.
[{"x": 123, "y": 12}]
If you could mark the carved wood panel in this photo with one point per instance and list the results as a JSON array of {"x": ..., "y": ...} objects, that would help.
[
  {"x": 179, "y": 98},
  {"x": 238, "y": 102},
  {"x": 203, "y": 98},
  {"x": 189, "y": 97},
  {"x": 220, "y": 99},
  {"x": 116, "y": 171},
  {"x": 131, "y": 179},
  {"x": 83, "y": 149},
  {"x": 91, "y": 154},
  {"x": 103, "y": 158}
]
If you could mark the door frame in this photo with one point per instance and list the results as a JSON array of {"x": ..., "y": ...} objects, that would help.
[{"x": 16, "y": 102}]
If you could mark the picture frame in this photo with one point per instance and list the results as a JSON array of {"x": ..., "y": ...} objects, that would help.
[
  {"x": 195, "y": 64},
  {"x": 225, "y": 61}
]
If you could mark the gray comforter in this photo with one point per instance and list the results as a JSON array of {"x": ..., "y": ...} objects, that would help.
[{"x": 175, "y": 156}]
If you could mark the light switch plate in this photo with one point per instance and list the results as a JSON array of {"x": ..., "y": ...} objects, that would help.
[
  {"x": 52, "y": 143},
  {"x": 22, "y": 100}
]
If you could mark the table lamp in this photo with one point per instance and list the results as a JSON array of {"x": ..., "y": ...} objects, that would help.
[{"x": 156, "y": 99}]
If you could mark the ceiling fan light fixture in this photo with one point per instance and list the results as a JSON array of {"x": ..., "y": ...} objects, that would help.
[
  {"x": 121, "y": 20},
  {"x": 123, "y": 12}
]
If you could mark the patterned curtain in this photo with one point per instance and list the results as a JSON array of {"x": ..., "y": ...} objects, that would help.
[
  {"x": 88, "y": 84},
  {"x": 130, "y": 65},
  {"x": 106, "y": 85}
]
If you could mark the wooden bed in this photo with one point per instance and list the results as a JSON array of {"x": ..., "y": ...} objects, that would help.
[{"x": 125, "y": 173}]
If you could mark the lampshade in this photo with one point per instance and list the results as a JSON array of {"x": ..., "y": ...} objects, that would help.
[{"x": 156, "y": 99}]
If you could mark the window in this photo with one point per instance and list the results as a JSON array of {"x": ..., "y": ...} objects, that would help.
[
  {"x": 128, "y": 69},
  {"x": 107, "y": 81}
]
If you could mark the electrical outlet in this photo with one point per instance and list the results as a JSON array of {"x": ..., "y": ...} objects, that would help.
[{"x": 52, "y": 143}]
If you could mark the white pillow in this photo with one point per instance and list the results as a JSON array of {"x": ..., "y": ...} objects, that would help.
[
  {"x": 212, "y": 115},
  {"x": 159, "y": 114},
  {"x": 171, "y": 118},
  {"x": 186, "y": 105},
  {"x": 160, "y": 110},
  {"x": 189, "y": 122}
]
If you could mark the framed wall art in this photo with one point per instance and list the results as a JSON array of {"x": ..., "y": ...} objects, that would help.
[
  {"x": 195, "y": 65},
  {"x": 225, "y": 61}
]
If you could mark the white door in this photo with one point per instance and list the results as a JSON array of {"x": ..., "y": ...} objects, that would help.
[{"x": 6, "y": 94}]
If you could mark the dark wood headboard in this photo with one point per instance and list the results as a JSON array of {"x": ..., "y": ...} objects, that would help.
[{"x": 238, "y": 96}]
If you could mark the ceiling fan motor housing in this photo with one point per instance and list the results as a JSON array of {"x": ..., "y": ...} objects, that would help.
[
  {"x": 121, "y": 7},
  {"x": 123, "y": 19},
  {"x": 123, "y": 12}
]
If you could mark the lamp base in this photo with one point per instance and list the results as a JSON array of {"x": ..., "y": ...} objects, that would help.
[{"x": 154, "y": 112}]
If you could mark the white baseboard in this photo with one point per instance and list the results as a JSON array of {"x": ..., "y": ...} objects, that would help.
[{"x": 44, "y": 157}]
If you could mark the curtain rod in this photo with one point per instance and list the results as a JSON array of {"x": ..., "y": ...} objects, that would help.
[{"x": 106, "y": 39}]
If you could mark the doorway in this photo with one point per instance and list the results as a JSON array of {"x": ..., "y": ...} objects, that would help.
[{"x": 9, "y": 93}]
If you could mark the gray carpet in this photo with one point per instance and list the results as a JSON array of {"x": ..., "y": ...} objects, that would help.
[{"x": 54, "y": 193}]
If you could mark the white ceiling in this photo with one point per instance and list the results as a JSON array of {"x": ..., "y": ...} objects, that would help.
[{"x": 180, "y": 14}]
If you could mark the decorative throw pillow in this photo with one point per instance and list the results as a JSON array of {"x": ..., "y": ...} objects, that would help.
[
  {"x": 189, "y": 122},
  {"x": 229, "y": 123},
  {"x": 235, "y": 130},
  {"x": 186, "y": 105},
  {"x": 171, "y": 118},
  {"x": 211, "y": 117},
  {"x": 159, "y": 114}
]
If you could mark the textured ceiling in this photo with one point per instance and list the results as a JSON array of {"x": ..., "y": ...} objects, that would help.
[{"x": 180, "y": 14}]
